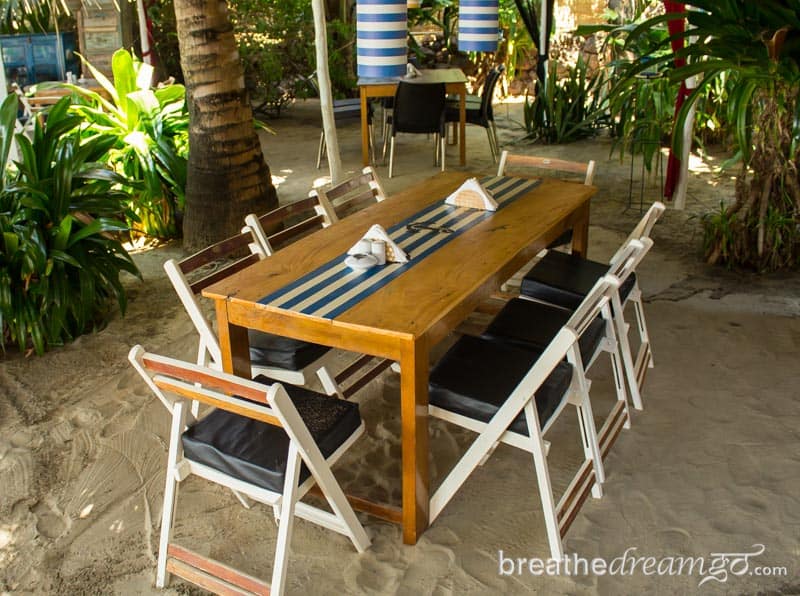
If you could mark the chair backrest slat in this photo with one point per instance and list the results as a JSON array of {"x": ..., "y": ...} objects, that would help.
[
  {"x": 297, "y": 231},
  {"x": 199, "y": 285},
  {"x": 215, "y": 252},
  {"x": 223, "y": 401},
  {"x": 510, "y": 160},
  {"x": 347, "y": 186},
  {"x": 199, "y": 383},
  {"x": 288, "y": 223},
  {"x": 351, "y": 195}
]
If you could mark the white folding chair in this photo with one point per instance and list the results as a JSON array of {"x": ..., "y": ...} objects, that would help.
[
  {"x": 529, "y": 164},
  {"x": 351, "y": 195},
  {"x": 512, "y": 395},
  {"x": 280, "y": 358},
  {"x": 292, "y": 440},
  {"x": 563, "y": 280},
  {"x": 533, "y": 325}
]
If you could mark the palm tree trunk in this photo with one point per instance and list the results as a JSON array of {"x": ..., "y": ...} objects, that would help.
[{"x": 227, "y": 176}]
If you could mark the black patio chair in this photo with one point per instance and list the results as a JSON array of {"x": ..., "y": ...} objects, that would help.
[
  {"x": 419, "y": 109},
  {"x": 479, "y": 109}
]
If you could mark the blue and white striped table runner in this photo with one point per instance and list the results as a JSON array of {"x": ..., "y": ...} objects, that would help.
[{"x": 333, "y": 288}]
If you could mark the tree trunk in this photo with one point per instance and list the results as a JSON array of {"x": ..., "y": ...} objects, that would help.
[
  {"x": 325, "y": 94},
  {"x": 227, "y": 177}
]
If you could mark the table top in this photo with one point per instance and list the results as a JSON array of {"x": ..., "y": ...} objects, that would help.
[
  {"x": 427, "y": 75},
  {"x": 426, "y": 300}
]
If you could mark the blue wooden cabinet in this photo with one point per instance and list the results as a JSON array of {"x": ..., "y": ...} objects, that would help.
[{"x": 33, "y": 58}]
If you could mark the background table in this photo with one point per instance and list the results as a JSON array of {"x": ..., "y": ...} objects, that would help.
[
  {"x": 408, "y": 316},
  {"x": 455, "y": 82}
]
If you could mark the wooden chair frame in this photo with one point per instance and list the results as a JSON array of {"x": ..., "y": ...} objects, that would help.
[
  {"x": 179, "y": 385},
  {"x": 208, "y": 348},
  {"x": 590, "y": 476}
]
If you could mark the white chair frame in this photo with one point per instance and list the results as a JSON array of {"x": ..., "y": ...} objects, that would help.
[
  {"x": 179, "y": 385},
  {"x": 209, "y": 351},
  {"x": 590, "y": 476},
  {"x": 636, "y": 369}
]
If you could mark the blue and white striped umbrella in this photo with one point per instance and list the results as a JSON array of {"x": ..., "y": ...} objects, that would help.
[
  {"x": 381, "y": 38},
  {"x": 478, "y": 25}
]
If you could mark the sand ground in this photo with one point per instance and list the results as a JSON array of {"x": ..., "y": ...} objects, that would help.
[{"x": 711, "y": 465}]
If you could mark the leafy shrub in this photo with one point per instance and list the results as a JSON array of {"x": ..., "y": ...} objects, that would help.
[
  {"x": 151, "y": 132},
  {"x": 567, "y": 108},
  {"x": 59, "y": 263}
]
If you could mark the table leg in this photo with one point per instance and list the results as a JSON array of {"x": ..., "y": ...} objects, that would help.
[
  {"x": 580, "y": 231},
  {"x": 364, "y": 128},
  {"x": 462, "y": 125},
  {"x": 414, "y": 415},
  {"x": 233, "y": 344}
]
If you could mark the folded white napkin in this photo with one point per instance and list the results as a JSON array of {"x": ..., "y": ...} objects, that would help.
[
  {"x": 394, "y": 254},
  {"x": 472, "y": 194}
]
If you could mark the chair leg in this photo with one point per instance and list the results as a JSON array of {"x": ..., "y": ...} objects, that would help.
[
  {"x": 287, "y": 521},
  {"x": 170, "y": 491},
  {"x": 645, "y": 356},
  {"x": 543, "y": 479},
  {"x": 625, "y": 351},
  {"x": 442, "y": 147},
  {"x": 436, "y": 149},
  {"x": 321, "y": 148},
  {"x": 496, "y": 141},
  {"x": 491, "y": 144},
  {"x": 371, "y": 142},
  {"x": 329, "y": 384},
  {"x": 391, "y": 156},
  {"x": 591, "y": 447},
  {"x": 616, "y": 363}
]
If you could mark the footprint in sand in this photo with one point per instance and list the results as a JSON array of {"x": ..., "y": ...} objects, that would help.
[
  {"x": 16, "y": 470},
  {"x": 49, "y": 522}
]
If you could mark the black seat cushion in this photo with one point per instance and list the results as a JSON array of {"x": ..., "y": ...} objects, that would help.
[
  {"x": 531, "y": 324},
  {"x": 476, "y": 376},
  {"x": 267, "y": 349},
  {"x": 564, "y": 279},
  {"x": 255, "y": 451}
]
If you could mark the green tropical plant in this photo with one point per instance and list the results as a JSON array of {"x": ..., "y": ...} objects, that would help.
[
  {"x": 759, "y": 44},
  {"x": 60, "y": 264},
  {"x": 567, "y": 107},
  {"x": 34, "y": 16},
  {"x": 151, "y": 128}
]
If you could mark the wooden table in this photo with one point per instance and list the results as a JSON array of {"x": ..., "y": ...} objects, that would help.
[
  {"x": 406, "y": 317},
  {"x": 455, "y": 82}
]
